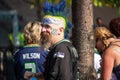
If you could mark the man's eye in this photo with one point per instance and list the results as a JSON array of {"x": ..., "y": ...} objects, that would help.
[{"x": 47, "y": 26}]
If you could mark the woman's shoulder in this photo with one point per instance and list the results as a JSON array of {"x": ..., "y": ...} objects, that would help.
[
  {"x": 110, "y": 52},
  {"x": 115, "y": 48}
]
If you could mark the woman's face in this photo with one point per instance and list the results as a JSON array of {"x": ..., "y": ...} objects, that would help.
[{"x": 99, "y": 45}]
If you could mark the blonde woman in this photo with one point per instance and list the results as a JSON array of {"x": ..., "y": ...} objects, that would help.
[
  {"x": 109, "y": 46},
  {"x": 29, "y": 59}
]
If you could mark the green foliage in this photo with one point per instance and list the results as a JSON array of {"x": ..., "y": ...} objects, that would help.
[
  {"x": 98, "y": 3},
  {"x": 119, "y": 10},
  {"x": 108, "y": 3}
]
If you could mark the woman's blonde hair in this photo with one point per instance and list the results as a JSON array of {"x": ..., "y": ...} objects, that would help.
[
  {"x": 32, "y": 32},
  {"x": 103, "y": 34}
]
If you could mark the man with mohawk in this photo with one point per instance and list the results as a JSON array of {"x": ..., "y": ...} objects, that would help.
[{"x": 61, "y": 63}]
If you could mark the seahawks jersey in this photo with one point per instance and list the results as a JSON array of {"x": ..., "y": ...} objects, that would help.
[{"x": 29, "y": 59}]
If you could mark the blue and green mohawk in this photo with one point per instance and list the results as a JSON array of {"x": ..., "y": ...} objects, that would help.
[{"x": 60, "y": 15}]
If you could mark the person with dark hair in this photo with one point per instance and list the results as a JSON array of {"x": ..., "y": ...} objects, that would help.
[
  {"x": 114, "y": 26},
  {"x": 28, "y": 61},
  {"x": 99, "y": 23}
]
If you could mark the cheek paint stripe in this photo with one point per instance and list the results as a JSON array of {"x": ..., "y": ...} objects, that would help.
[{"x": 54, "y": 31}]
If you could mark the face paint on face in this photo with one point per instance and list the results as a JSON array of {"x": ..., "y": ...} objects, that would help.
[
  {"x": 54, "y": 31},
  {"x": 56, "y": 20}
]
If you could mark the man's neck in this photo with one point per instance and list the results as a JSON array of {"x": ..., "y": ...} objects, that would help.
[{"x": 56, "y": 40}]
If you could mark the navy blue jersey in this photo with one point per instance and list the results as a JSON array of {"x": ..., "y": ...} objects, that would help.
[{"x": 29, "y": 59}]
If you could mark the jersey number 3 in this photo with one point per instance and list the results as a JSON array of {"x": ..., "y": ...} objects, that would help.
[{"x": 30, "y": 66}]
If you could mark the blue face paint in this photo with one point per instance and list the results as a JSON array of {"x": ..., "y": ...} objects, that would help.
[
  {"x": 47, "y": 21},
  {"x": 56, "y": 20}
]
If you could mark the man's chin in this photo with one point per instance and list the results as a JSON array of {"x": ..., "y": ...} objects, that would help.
[
  {"x": 45, "y": 40},
  {"x": 46, "y": 45}
]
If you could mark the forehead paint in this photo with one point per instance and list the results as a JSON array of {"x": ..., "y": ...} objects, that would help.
[
  {"x": 58, "y": 21},
  {"x": 50, "y": 21}
]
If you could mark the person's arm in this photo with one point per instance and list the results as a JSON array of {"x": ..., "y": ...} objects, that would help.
[
  {"x": 62, "y": 67},
  {"x": 59, "y": 65},
  {"x": 107, "y": 64},
  {"x": 66, "y": 66},
  {"x": 29, "y": 74},
  {"x": 38, "y": 75}
]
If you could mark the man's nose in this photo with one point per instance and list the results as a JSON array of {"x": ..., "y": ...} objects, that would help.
[{"x": 43, "y": 29}]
